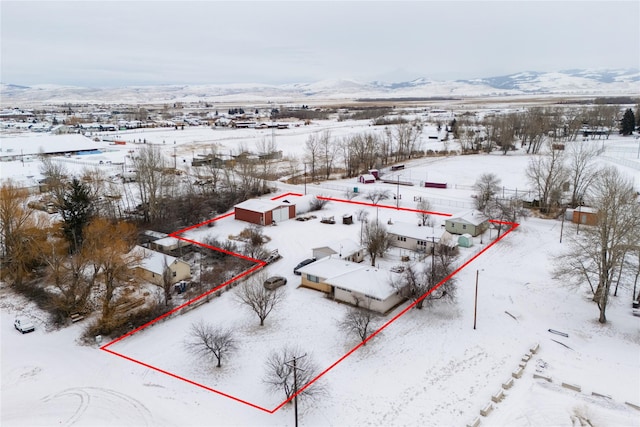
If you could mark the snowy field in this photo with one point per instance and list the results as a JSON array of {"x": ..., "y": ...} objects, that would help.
[{"x": 428, "y": 368}]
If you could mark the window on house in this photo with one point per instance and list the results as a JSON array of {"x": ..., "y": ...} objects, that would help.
[
  {"x": 314, "y": 279},
  {"x": 464, "y": 226},
  {"x": 175, "y": 273}
]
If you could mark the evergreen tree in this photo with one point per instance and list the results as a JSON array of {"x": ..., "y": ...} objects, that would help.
[
  {"x": 75, "y": 205},
  {"x": 628, "y": 123}
]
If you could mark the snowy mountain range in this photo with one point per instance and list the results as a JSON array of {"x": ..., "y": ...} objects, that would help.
[{"x": 566, "y": 82}]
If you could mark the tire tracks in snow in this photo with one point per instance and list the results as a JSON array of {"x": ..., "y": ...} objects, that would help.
[{"x": 92, "y": 396}]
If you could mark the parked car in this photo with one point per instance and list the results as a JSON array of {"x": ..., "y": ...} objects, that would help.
[
  {"x": 23, "y": 325},
  {"x": 274, "y": 282},
  {"x": 302, "y": 264}
]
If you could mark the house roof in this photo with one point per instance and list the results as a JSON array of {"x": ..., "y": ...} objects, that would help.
[
  {"x": 329, "y": 267},
  {"x": 155, "y": 234},
  {"x": 153, "y": 261},
  {"x": 344, "y": 247},
  {"x": 473, "y": 217},
  {"x": 414, "y": 231},
  {"x": 171, "y": 241},
  {"x": 368, "y": 177},
  {"x": 586, "y": 209},
  {"x": 260, "y": 205},
  {"x": 366, "y": 280}
]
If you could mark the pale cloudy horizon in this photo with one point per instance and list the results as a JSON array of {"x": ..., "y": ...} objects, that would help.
[{"x": 114, "y": 43}]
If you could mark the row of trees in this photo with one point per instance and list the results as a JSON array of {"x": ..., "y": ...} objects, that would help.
[
  {"x": 162, "y": 197},
  {"x": 360, "y": 152},
  {"x": 80, "y": 257},
  {"x": 533, "y": 129},
  {"x": 600, "y": 255},
  {"x": 539, "y": 125},
  {"x": 560, "y": 169},
  {"x": 210, "y": 343}
]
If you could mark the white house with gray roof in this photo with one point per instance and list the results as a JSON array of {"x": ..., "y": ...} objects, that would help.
[
  {"x": 342, "y": 249},
  {"x": 352, "y": 283}
]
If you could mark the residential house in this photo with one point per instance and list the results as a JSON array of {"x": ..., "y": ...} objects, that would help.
[
  {"x": 314, "y": 275},
  {"x": 413, "y": 237},
  {"x": 368, "y": 287},
  {"x": 169, "y": 245},
  {"x": 471, "y": 222},
  {"x": 351, "y": 283},
  {"x": 154, "y": 265},
  {"x": 342, "y": 249}
]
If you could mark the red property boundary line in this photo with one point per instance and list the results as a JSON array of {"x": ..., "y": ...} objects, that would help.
[{"x": 260, "y": 264}]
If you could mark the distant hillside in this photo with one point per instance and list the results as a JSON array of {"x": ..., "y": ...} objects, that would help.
[{"x": 569, "y": 82}]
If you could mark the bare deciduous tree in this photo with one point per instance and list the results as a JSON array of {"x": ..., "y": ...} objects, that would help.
[
  {"x": 467, "y": 134},
  {"x": 424, "y": 284},
  {"x": 486, "y": 188},
  {"x": 313, "y": 152},
  {"x": 376, "y": 196},
  {"x": 108, "y": 246},
  {"x": 167, "y": 281},
  {"x": 254, "y": 240},
  {"x": 534, "y": 126},
  {"x": 258, "y": 299},
  {"x": 547, "y": 173},
  {"x": 153, "y": 179},
  {"x": 280, "y": 374},
  {"x": 376, "y": 240},
  {"x": 54, "y": 172},
  {"x": 19, "y": 233},
  {"x": 329, "y": 150},
  {"x": 210, "y": 342},
  {"x": 317, "y": 204},
  {"x": 267, "y": 148},
  {"x": 67, "y": 274},
  {"x": 581, "y": 169},
  {"x": 406, "y": 136},
  {"x": 597, "y": 253},
  {"x": 360, "y": 321},
  {"x": 424, "y": 207}
]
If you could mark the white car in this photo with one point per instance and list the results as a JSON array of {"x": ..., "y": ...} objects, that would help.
[{"x": 23, "y": 325}]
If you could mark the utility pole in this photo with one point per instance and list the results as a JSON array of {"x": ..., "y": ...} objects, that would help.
[
  {"x": 305, "y": 179},
  {"x": 398, "y": 193},
  {"x": 295, "y": 383},
  {"x": 475, "y": 306},
  {"x": 564, "y": 213},
  {"x": 433, "y": 256}
]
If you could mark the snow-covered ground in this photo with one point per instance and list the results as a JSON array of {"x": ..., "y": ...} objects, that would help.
[{"x": 428, "y": 367}]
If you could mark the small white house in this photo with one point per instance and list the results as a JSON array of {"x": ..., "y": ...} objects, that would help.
[
  {"x": 368, "y": 287},
  {"x": 168, "y": 244},
  {"x": 342, "y": 249},
  {"x": 352, "y": 283},
  {"x": 413, "y": 237}
]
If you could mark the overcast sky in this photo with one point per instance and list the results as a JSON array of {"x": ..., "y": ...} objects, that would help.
[{"x": 113, "y": 43}]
